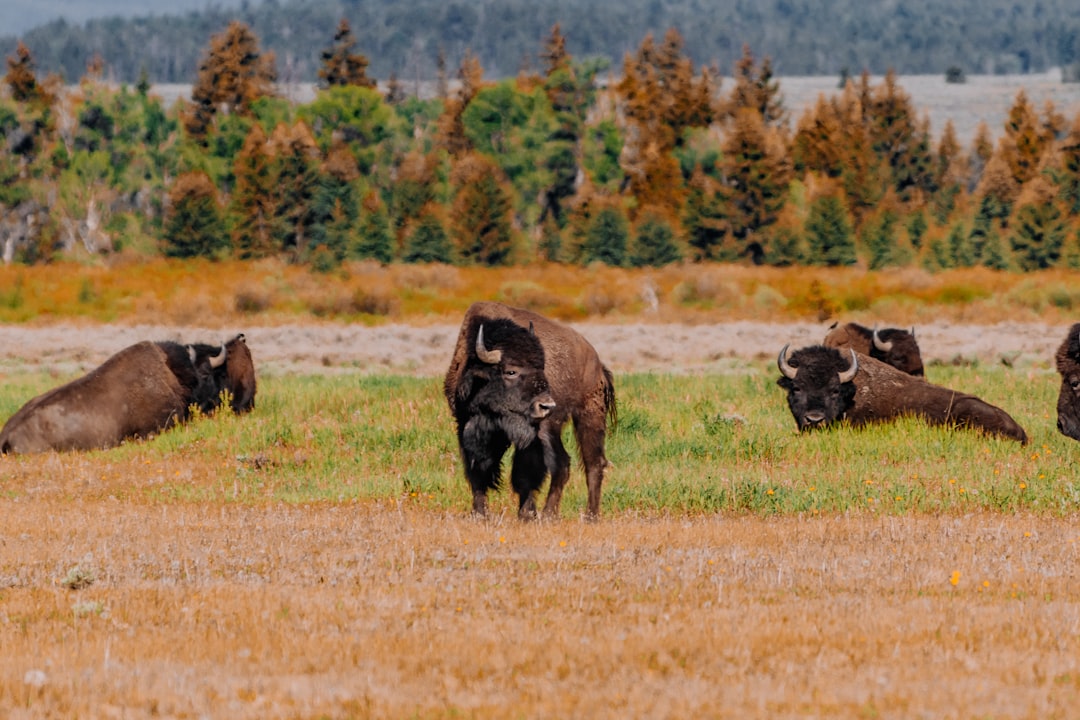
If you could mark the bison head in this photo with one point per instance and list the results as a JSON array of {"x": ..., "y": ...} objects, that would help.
[
  {"x": 898, "y": 348},
  {"x": 1068, "y": 365},
  {"x": 819, "y": 384},
  {"x": 504, "y": 382},
  {"x": 226, "y": 368}
]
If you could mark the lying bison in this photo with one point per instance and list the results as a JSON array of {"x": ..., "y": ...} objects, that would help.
[
  {"x": 515, "y": 379},
  {"x": 892, "y": 346},
  {"x": 825, "y": 385},
  {"x": 1068, "y": 364},
  {"x": 141, "y": 390}
]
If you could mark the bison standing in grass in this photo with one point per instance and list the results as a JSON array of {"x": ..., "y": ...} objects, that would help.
[
  {"x": 825, "y": 385},
  {"x": 892, "y": 346},
  {"x": 1068, "y": 365},
  {"x": 516, "y": 378},
  {"x": 139, "y": 391}
]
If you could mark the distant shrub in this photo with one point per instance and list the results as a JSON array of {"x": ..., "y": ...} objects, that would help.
[{"x": 955, "y": 75}]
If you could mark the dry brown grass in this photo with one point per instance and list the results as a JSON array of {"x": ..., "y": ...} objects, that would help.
[
  {"x": 392, "y": 609},
  {"x": 271, "y": 292}
]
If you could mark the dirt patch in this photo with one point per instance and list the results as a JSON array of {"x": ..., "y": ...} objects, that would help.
[{"x": 425, "y": 350}]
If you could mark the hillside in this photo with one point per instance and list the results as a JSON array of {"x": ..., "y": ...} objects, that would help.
[{"x": 803, "y": 37}]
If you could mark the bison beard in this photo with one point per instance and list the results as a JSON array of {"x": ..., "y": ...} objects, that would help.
[
  {"x": 582, "y": 390},
  {"x": 821, "y": 390},
  {"x": 1067, "y": 360}
]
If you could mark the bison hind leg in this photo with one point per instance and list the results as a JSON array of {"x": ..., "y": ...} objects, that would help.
[
  {"x": 558, "y": 462},
  {"x": 526, "y": 476}
]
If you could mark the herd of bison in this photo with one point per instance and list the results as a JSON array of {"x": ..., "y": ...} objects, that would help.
[{"x": 516, "y": 378}]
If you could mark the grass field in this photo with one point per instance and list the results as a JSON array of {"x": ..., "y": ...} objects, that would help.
[{"x": 315, "y": 559}]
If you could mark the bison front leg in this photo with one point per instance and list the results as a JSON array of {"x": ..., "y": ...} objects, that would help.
[
  {"x": 526, "y": 477},
  {"x": 482, "y": 453}
]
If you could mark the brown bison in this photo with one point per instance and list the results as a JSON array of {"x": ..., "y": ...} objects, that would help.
[
  {"x": 825, "y": 385},
  {"x": 516, "y": 377},
  {"x": 139, "y": 391},
  {"x": 892, "y": 346},
  {"x": 1068, "y": 364}
]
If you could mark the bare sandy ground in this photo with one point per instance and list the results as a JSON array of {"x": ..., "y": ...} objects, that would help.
[{"x": 425, "y": 350}]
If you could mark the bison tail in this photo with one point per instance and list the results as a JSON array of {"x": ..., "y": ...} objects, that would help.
[{"x": 610, "y": 406}]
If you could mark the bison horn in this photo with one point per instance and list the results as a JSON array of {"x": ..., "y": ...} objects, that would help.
[
  {"x": 782, "y": 363},
  {"x": 218, "y": 360},
  {"x": 881, "y": 344},
  {"x": 490, "y": 357},
  {"x": 849, "y": 374}
]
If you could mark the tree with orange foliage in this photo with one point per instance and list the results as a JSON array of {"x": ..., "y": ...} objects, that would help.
[
  {"x": 22, "y": 79},
  {"x": 193, "y": 225},
  {"x": 296, "y": 162},
  {"x": 1026, "y": 138},
  {"x": 256, "y": 228},
  {"x": 755, "y": 87},
  {"x": 340, "y": 64},
  {"x": 482, "y": 211},
  {"x": 232, "y": 75},
  {"x": 661, "y": 98},
  {"x": 452, "y": 136}
]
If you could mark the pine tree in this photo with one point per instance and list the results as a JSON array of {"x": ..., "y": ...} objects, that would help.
[
  {"x": 830, "y": 238},
  {"x": 882, "y": 242},
  {"x": 295, "y": 169},
  {"x": 428, "y": 241},
  {"x": 653, "y": 243},
  {"x": 704, "y": 220},
  {"x": 1037, "y": 227},
  {"x": 1025, "y": 141},
  {"x": 375, "y": 240},
  {"x": 755, "y": 88},
  {"x": 607, "y": 236},
  {"x": 994, "y": 254},
  {"x": 335, "y": 207},
  {"x": 232, "y": 75},
  {"x": 194, "y": 225},
  {"x": 960, "y": 247},
  {"x": 756, "y": 172},
  {"x": 342, "y": 66},
  {"x": 550, "y": 246},
  {"x": 452, "y": 135},
  {"x": 22, "y": 80},
  {"x": 254, "y": 207},
  {"x": 482, "y": 211}
]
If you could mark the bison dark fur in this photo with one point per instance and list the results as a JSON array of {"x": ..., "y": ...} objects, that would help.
[
  {"x": 821, "y": 392},
  {"x": 1068, "y": 365},
  {"x": 139, "y": 391},
  {"x": 581, "y": 389},
  {"x": 892, "y": 346}
]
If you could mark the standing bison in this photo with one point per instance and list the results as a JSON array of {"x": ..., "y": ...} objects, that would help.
[
  {"x": 1068, "y": 365},
  {"x": 892, "y": 346},
  {"x": 515, "y": 379},
  {"x": 825, "y": 385},
  {"x": 139, "y": 391}
]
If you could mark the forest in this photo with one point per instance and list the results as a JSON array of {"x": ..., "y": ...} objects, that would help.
[
  {"x": 670, "y": 163},
  {"x": 803, "y": 37}
]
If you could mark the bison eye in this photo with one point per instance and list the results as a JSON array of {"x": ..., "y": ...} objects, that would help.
[
  {"x": 508, "y": 372},
  {"x": 1074, "y": 382}
]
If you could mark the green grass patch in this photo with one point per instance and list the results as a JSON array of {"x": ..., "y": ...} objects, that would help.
[{"x": 685, "y": 444}]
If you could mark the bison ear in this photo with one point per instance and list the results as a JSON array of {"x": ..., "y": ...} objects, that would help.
[
  {"x": 785, "y": 382},
  {"x": 469, "y": 378}
]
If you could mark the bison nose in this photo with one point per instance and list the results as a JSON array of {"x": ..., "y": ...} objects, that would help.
[
  {"x": 814, "y": 417},
  {"x": 542, "y": 407}
]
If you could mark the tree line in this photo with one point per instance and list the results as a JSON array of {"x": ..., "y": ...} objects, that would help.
[
  {"x": 671, "y": 163},
  {"x": 804, "y": 37}
]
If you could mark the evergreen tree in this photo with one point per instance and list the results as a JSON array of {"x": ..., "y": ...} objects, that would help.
[
  {"x": 376, "y": 241},
  {"x": 22, "y": 80},
  {"x": 482, "y": 211},
  {"x": 830, "y": 238},
  {"x": 882, "y": 242},
  {"x": 340, "y": 64},
  {"x": 916, "y": 228},
  {"x": 335, "y": 207},
  {"x": 1038, "y": 228},
  {"x": 756, "y": 89},
  {"x": 550, "y": 247},
  {"x": 428, "y": 241},
  {"x": 452, "y": 135},
  {"x": 994, "y": 254},
  {"x": 295, "y": 169},
  {"x": 653, "y": 243},
  {"x": 1025, "y": 141},
  {"x": 704, "y": 221},
  {"x": 756, "y": 173},
  {"x": 194, "y": 225},
  {"x": 606, "y": 238},
  {"x": 1070, "y": 250},
  {"x": 960, "y": 247},
  {"x": 938, "y": 255},
  {"x": 253, "y": 207},
  {"x": 232, "y": 75}
]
